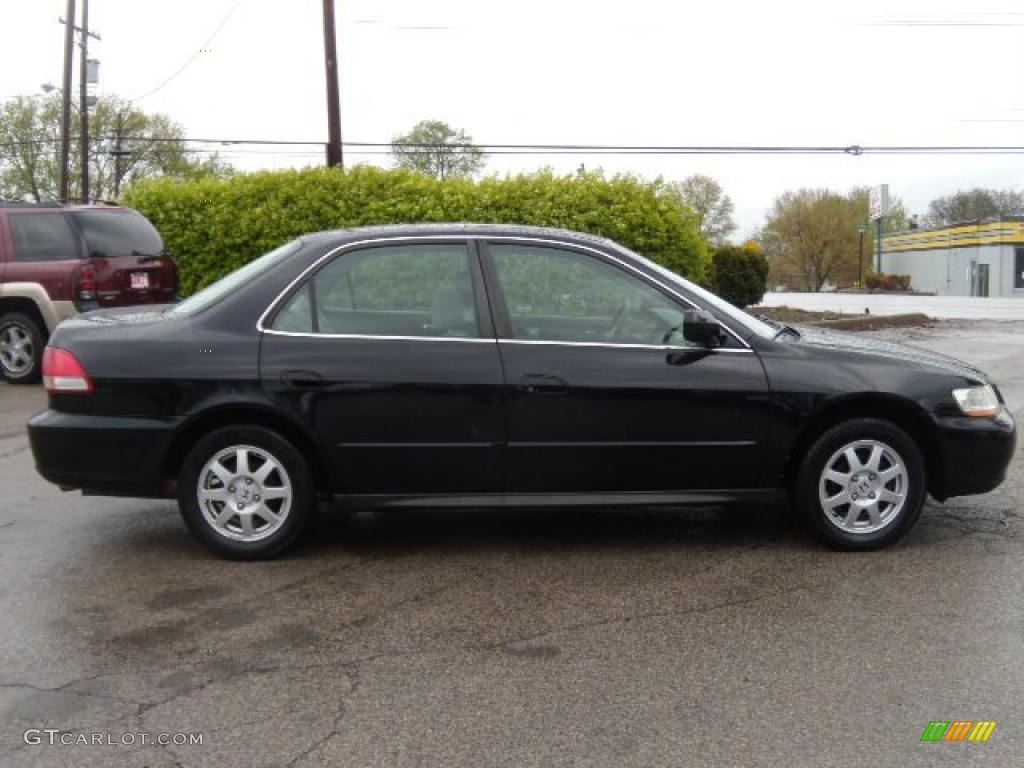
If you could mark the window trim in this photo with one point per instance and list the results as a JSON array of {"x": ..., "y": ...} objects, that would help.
[
  {"x": 485, "y": 322},
  {"x": 486, "y": 289}
]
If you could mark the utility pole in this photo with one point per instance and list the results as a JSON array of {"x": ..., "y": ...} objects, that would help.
[
  {"x": 334, "y": 157},
  {"x": 118, "y": 152},
  {"x": 65, "y": 119},
  {"x": 878, "y": 256},
  {"x": 83, "y": 98},
  {"x": 862, "y": 227}
]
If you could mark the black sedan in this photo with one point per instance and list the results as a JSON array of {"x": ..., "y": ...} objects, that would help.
[{"x": 486, "y": 365}]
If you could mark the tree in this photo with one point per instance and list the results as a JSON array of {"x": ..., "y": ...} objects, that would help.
[
  {"x": 972, "y": 204},
  {"x": 436, "y": 149},
  {"x": 713, "y": 207},
  {"x": 30, "y": 149},
  {"x": 739, "y": 273},
  {"x": 811, "y": 239}
]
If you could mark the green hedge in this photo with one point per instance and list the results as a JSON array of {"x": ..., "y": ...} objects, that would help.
[
  {"x": 213, "y": 226},
  {"x": 739, "y": 274}
]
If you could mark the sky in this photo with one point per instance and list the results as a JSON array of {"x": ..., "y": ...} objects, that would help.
[{"x": 643, "y": 72}]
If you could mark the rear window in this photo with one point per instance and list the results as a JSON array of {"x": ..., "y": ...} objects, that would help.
[
  {"x": 118, "y": 233},
  {"x": 43, "y": 237},
  {"x": 214, "y": 292}
]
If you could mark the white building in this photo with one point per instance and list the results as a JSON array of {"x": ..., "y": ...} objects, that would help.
[{"x": 977, "y": 258}]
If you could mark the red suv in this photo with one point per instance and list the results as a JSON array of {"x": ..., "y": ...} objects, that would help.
[{"x": 57, "y": 260}]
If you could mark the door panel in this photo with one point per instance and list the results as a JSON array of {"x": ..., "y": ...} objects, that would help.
[
  {"x": 627, "y": 419},
  {"x": 388, "y": 356},
  {"x": 395, "y": 416}
]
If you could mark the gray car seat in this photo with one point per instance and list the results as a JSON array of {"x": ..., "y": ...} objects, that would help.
[{"x": 452, "y": 313}]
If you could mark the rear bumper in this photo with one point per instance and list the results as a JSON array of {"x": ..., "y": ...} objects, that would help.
[
  {"x": 110, "y": 456},
  {"x": 975, "y": 454}
]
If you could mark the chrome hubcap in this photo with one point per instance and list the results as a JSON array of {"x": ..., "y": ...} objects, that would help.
[
  {"x": 245, "y": 493},
  {"x": 863, "y": 486},
  {"x": 16, "y": 349}
]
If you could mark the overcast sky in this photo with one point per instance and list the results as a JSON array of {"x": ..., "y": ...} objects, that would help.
[{"x": 578, "y": 71}]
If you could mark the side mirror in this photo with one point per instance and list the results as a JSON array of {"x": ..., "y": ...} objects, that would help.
[{"x": 700, "y": 327}]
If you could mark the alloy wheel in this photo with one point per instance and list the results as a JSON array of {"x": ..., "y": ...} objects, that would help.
[
  {"x": 17, "y": 352},
  {"x": 863, "y": 487},
  {"x": 244, "y": 493}
]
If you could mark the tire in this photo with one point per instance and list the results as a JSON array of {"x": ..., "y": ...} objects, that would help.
[
  {"x": 21, "y": 348},
  {"x": 280, "y": 504},
  {"x": 862, "y": 485}
]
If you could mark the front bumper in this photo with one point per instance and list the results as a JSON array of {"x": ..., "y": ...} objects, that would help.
[
  {"x": 976, "y": 453},
  {"x": 103, "y": 455}
]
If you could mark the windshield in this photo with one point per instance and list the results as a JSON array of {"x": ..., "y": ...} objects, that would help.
[
  {"x": 214, "y": 292},
  {"x": 744, "y": 319}
]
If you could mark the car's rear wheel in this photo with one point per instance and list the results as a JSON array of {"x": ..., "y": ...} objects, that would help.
[
  {"x": 245, "y": 492},
  {"x": 862, "y": 484},
  {"x": 21, "y": 348}
]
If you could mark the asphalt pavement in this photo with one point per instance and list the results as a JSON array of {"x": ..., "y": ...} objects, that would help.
[{"x": 473, "y": 638}]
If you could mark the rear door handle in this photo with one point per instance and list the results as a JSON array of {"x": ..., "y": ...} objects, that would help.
[
  {"x": 302, "y": 379},
  {"x": 541, "y": 383}
]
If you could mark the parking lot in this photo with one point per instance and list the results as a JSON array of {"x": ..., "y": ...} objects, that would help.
[{"x": 465, "y": 638}]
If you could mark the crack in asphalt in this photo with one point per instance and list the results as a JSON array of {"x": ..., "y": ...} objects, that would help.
[
  {"x": 646, "y": 616},
  {"x": 354, "y": 680}
]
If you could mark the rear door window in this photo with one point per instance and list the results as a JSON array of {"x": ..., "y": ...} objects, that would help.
[
  {"x": 109, "y": 234},
  {"x": 408, "y": 290},
  {"x": 43, "y": 237}
]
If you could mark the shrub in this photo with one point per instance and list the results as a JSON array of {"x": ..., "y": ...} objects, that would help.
[
  {"x": 739, "y": 274},
  {"x": 215, "y": 225},
  {"x": 886, "y": 282}
]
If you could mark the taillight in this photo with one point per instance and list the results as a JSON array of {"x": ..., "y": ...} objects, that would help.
[
  {"x": 62, "y": 373},
  {"x": 86, "y": 285}
]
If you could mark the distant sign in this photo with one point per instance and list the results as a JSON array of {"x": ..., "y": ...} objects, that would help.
[{"x": 878, "y": 202}]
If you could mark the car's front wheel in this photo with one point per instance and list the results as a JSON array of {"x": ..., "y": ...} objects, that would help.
[
  {"x": 21, "y": 348},
  {"x": 862, "y": 484},
  {"x": 245, "y": 492}
]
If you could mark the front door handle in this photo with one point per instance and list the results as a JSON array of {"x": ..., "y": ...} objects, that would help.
[
  {"x": 542, "y": 383},
  {"x": 302, "y": 379}
]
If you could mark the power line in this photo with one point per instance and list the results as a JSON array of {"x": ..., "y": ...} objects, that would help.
[
  {"x": 195, "y": 55},
  {"x": 855, "y": 150}
]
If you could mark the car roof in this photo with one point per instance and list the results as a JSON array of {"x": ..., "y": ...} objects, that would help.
[
  {"x": 461, "y": 229},
  {"x": 54, "y": 206}
]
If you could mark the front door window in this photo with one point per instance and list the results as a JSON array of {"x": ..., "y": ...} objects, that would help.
[{"x": 566, "y": 296}]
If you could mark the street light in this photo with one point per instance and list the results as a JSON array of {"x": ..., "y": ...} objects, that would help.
[
  {"x": 862, "y": 227},
  {"x": 49, "y": 87}
]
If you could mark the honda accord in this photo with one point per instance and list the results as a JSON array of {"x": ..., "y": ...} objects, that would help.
[{"x": 489, "y": 365}]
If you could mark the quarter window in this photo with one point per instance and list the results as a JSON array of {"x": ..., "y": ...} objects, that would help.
[
  {"x": 43, "y": 237},
  {"x": 557, "y": 295},
  {"x": 404, "y": 290}
]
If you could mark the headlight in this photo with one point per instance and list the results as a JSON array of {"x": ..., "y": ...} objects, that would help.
[{"x": 977, "y": 401}]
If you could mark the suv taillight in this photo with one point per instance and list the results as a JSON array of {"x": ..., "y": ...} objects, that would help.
[
  {"x": 63, "y": 374},
  {"x": 86, "y": 282}
]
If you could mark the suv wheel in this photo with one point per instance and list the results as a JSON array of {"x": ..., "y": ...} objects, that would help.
[
  {"x": 245, "y": 492},
  {"x": 862, "y": 485},
  {"x": 21, "y": 348}
]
